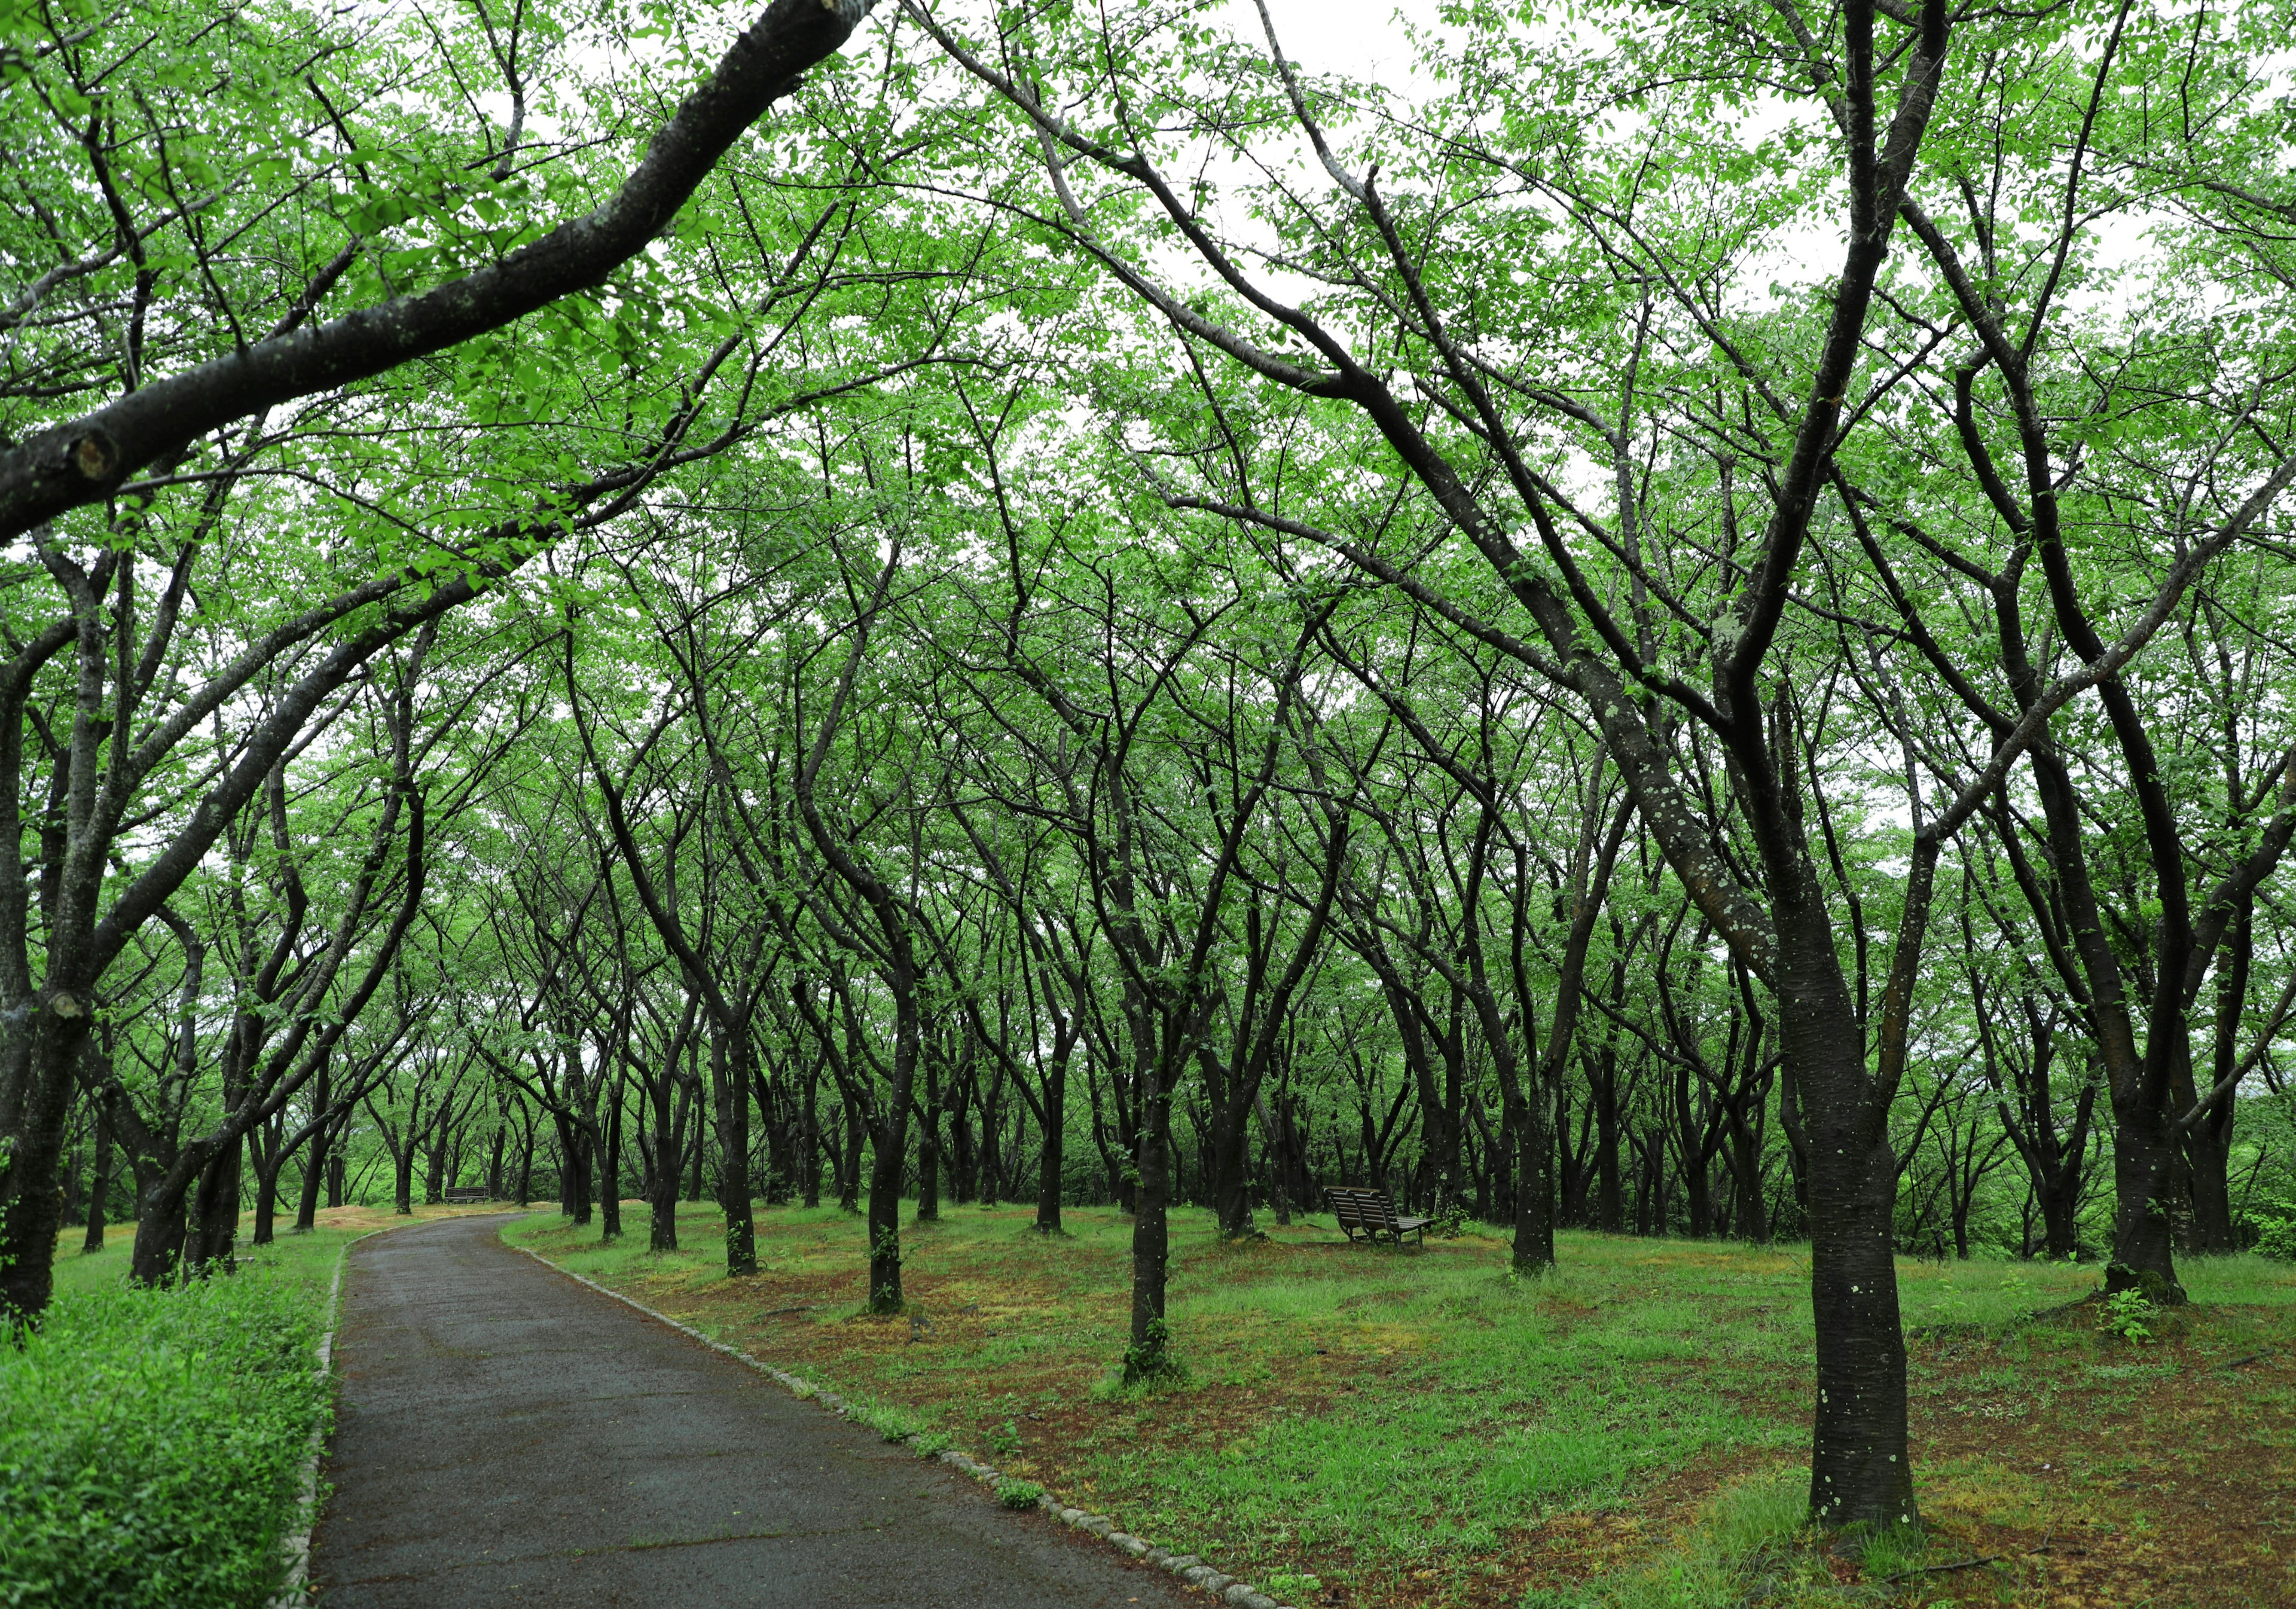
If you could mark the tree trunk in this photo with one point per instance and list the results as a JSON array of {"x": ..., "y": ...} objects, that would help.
[
  {"x": 1149, "y": 1353},
  {"x": 266, "y": 1196},
  {"x": 316, "y": 1161},
  {"x": 849, "y": 1180},
  {"x": 1056, "y": 1095},
  {"x": 729, "y": 1088},
  {"x": 99, "y": 1185},
  {"x": 929, "y": 1145},
  {"x": 610, "y": 1168},
  {"x": 1859, "y": 1470},
  {"x": 1610, "y": 1201},
  {"x": 809, "y": 1151},
  {"x": 885, "y": 1218},
  {"x": 214, "y": 1232},
  {"x": 2144, "y": 1167}
]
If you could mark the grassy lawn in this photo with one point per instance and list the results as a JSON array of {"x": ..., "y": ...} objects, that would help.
[{"x": 1420, "y": 1428}]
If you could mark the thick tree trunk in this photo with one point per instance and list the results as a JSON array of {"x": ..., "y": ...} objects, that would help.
[
  {"x": 316, "y": 1162},
  {"x": 1859, "y": 1468},
  {"x": 266, "y": 1196},
  {"x": 2144, "y": 1168},
  {"x": 1533, "y": 1251},
  {"x": 214, "y": 1232},
  {"x": 729, "y": 1087},
  {"x": 610, "y": 1168},
  {"x": 1150, "y": 1353},
  {"x": 159, "y": 1248},
  {"x": 35, "y": 1082}
]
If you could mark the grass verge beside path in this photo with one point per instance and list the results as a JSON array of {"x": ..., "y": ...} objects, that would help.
[
  {"x": 151, "y": 1442},
  {"x": 1365, "y": 1428}
]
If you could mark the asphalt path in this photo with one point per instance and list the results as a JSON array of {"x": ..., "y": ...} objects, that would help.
[{"x": 506, "y": 1436}]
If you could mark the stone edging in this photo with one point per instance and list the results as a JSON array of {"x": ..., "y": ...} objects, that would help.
[
  {"x": 295, "y": 1589},
  {"x": 1186, "y": 1566}
]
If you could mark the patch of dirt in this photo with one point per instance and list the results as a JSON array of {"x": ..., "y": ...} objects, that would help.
[{"x": 2116, "y": 1473}]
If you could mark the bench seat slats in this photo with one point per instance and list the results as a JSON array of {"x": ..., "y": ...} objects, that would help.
[{"x": 1372, "y": 1213}]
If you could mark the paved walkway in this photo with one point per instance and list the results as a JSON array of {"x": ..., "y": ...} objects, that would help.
[{"x": 505, "y": 1437}]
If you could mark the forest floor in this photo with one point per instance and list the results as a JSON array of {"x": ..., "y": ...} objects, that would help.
[{"x": 1369, "y": 1428}]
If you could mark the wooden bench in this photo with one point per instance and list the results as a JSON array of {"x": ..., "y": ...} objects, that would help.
[
  {"x": 1373, "y": 1213},
  {"x": 464, "y": 1194}
]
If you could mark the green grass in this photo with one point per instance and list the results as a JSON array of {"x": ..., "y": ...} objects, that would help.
[{"x": 151, "y": 1442}]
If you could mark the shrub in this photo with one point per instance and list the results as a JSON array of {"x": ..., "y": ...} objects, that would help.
[
  {"x": 152, "y": 1443},
  {"x": 2274, "y": 1223},
  {"x": 1018, "y": 1494},
  {"x": 2125, "y": 1314}
]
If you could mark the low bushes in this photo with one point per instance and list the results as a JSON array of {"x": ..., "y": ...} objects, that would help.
[{"x": 152, "y": 1442}]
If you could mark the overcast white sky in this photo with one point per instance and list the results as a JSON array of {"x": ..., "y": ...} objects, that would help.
[{"x": 1358, "y": 37}]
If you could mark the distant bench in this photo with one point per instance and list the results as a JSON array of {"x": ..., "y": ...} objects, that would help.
[
  {"x": 1373, "y": 1213},
  {"x": 464, "y": 1194}
]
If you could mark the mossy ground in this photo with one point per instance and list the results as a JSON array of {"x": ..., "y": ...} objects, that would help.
[{"x": 1421, "y": 1428}]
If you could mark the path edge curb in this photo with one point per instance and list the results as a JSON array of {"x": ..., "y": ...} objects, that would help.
[
  {"x": 1190, "y": 1570},
  {"x": 295, "y": 1589}
]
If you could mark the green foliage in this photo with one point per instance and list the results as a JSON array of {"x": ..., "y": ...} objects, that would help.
[
  {"x": 1148, "y": 1359},
  {"x": 151, "y": 1442},
  {"x": 1018, "y": 1494},
  {"x": 2126, "y": 1314},
  {"x": 2275, "y": 1230}
]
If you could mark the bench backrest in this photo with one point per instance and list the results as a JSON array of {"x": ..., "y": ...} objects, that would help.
[
  {"x": 1362, "y": 1208},
  {"x": 465, "y": 1193}
]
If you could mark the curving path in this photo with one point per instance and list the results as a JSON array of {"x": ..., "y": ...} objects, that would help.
[{"x": 506, "y": 1437}]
